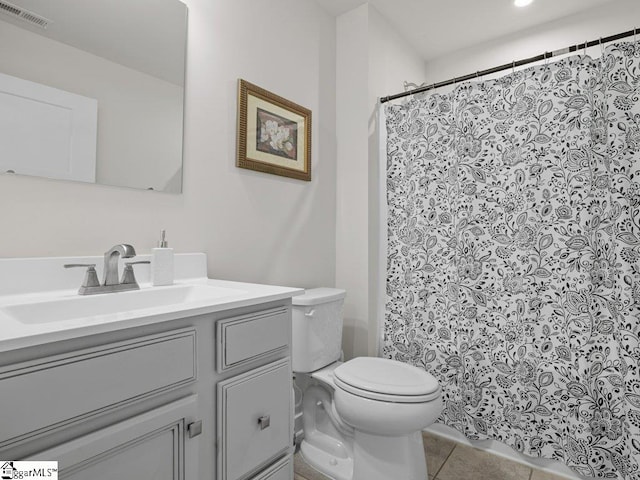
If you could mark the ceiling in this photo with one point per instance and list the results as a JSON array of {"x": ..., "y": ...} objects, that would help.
[{"x": 439, "y": 27}]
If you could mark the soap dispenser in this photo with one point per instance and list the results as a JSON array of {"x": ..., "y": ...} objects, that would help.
[{"x": 162, "y": 263}]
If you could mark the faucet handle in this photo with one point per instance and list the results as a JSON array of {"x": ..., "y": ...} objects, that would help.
[
  {"x": 90, "y": 277},
  {"x": 128, "y": 277}
]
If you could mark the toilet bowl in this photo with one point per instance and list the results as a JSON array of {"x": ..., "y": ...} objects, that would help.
[
  {"x": 362, "y": 419},
  {"x": 385, "y": 397}
]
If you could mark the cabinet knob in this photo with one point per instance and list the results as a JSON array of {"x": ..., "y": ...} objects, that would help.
[
  {"x": 194, "y": 429},
  {"x": 264, "y": 421}
]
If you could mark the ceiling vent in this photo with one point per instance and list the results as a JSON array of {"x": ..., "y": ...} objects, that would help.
[{"x": 22, "y": 14}]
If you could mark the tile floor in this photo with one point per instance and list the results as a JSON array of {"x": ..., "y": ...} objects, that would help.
[{"x": 448, "y": 460}]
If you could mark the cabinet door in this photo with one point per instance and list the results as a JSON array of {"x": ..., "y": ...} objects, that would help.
[
  {"x": 254, "y": 420},
  {"x": 281, "y": 470},
  {"x": 152, "y": 446}
]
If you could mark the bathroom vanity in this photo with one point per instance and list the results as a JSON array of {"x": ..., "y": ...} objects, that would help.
[{"x": 183, "y": 382}]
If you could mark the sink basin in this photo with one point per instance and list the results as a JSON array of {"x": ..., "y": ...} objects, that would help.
[{"x": 76, "y": 307}]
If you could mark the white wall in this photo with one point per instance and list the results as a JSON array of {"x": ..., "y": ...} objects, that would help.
[
  {"x": 139, "y": 116},
  {"x": 352, "y": 244},
  {"x": 373, "y": 60},
  {"x": 254, "y": 227}
]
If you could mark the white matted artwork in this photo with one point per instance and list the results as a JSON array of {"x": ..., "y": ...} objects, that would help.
[{"x": 274, "y": 134}]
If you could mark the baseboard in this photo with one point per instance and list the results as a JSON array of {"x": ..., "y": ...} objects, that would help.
[{"x": 500, "y": 449}]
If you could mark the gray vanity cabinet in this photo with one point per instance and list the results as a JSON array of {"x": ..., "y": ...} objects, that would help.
[
  {"x": 154, "y": 445},
  {"x": 49, "y": 393},
  {"x": 199, "y": 398},
  {"x": 45, "y": 397}
]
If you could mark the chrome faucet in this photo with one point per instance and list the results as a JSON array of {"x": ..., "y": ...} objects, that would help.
[
  {"x": 111, "y": 262},
  {"x": 91, "y": 285}
]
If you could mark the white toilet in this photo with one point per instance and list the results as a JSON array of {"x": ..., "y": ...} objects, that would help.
[{"x": 362, "y": 419}]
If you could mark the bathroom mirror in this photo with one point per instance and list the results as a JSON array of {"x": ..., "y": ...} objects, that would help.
[{"x": 93, "y": 90}]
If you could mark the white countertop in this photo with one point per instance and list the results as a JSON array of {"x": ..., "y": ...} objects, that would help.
[{"x": 15, "y": 334}]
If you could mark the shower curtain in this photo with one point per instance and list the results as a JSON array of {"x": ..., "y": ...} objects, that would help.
[{"x": 513, "y": 271}]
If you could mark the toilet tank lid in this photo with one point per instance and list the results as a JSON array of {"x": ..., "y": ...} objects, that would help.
[{"x": 317, "y": 296}]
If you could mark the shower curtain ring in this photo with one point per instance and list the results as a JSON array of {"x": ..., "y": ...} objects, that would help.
[
  {"x": 513, "y": 67},
  {"x": 585, "y": 48},
  {"x": 634, "y": 34}
]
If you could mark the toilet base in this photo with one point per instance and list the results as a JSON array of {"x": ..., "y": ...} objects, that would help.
[
  {"x": 377, "y": 457},
  {"x": 330, "y": 465},
  {"x": 374, "y": 458}
]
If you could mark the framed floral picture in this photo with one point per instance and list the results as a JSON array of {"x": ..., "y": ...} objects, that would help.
[{"x": 274, "y": 134}]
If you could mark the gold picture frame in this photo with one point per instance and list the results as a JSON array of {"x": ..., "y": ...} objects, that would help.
[{"x": 274, "y": 134}]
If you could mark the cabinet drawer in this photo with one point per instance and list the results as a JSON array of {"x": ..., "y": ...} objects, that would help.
[
  {"x": 53, "y": 392},
  {"x": 248, "y": 338},
  {"x": 254, "y": 420}
]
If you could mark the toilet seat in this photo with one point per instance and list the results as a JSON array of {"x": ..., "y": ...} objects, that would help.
[{"x": 386, "y": 380}]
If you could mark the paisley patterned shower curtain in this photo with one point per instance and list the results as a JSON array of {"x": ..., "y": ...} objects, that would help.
[{"x": 513, "y": 270}]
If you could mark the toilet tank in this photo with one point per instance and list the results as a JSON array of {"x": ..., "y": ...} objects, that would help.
[{"x": 317, "y": 328}]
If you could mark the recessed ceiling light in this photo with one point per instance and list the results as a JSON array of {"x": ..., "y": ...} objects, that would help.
[{"x": 522, "y": 3}]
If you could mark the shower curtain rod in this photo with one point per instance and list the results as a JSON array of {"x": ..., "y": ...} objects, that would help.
[{"x": 506, "y": 66}]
